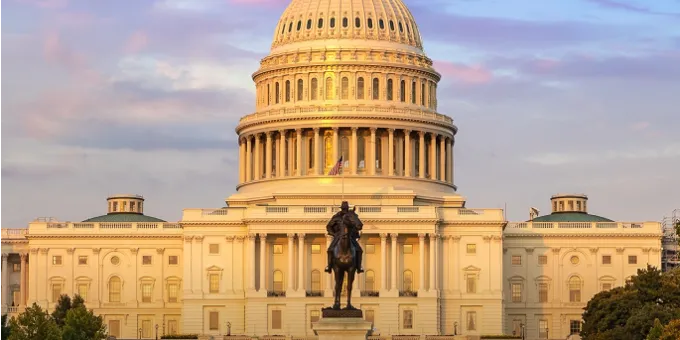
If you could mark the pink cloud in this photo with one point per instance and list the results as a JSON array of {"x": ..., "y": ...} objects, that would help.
[
  {"x": 475, "y": 74},
  {"x": 136, "y": 42},
  {"x": 47, "y": 4},
  {"x": 56, "y": 52}
]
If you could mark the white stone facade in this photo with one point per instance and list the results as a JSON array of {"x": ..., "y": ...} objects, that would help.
[{"x": 348, "y": 81}]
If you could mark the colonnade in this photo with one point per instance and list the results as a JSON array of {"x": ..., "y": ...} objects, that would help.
[
  {"x": 365, "y": 151},
  {"x": 8, "y": 298}
]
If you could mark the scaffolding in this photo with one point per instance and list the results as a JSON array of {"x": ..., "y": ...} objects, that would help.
[{"x": 670, "y": 255}]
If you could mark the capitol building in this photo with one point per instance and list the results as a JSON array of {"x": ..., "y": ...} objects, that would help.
[{"x": 345, "y": 80}]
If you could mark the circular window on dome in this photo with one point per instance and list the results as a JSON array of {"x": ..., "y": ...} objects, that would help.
[
  {"x": 574, "y": 259},
  {"x": 115, "y": 260}
]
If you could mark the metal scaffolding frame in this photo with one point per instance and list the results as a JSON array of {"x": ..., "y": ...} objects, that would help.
[{"x": 670, "y": 254}]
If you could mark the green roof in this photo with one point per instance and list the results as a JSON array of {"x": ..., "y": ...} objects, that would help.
[
  {"x": 570, "y": 216},
  {"x": 123, "y": 217}
]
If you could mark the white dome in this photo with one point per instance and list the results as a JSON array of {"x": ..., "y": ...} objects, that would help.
[{"x": 347, "y": 23}]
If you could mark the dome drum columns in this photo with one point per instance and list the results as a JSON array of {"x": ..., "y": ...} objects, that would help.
[{"x": 364, "y": 151}]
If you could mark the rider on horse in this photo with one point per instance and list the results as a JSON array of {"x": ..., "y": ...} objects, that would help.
[{"x": 334, "y": 227}]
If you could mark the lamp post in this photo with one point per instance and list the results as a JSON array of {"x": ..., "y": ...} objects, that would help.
[
  {"x": 455, "y": 328},
  {"x": 547, "y": 335},
  {"x": 522, "y": 326},
  {"x": 163, "y": 327},
  {"x": 156, "y": 331},
  {"x": 140, "y": 333},
  {"x": 228, "y": 328}
]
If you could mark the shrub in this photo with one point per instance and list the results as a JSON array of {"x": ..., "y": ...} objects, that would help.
[{"x": 180, "y": 336}]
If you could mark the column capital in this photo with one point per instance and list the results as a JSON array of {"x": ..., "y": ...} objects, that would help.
[
  {"x": 282, "y": 132},
  {"x": 96, "y": 250},
  {"x": 160, "y": 251},
  {"x": 251, "y": 237},
  {"x": 301, "y": 236},
  {"x": 188, "y": 239},
  {"x": 394, "y": 236},
  {"x": 383, "y": 236},
  {"x": 257, "y": 135},
  {"x": 239, "y": 238},
  {"x": 433, "y": 135},
  {"x": 198, "y": 238},
  {"x": 390, "y": 131},
  {"x": 263, "y": 236},
  {"x": 4, "y": 256},
  {"x": 134, "y": 251},
  {"x": 316, "y": 130},
  {"x": 421, "y": 133},
  {"x": 34, "y": 250},
  {"x": 23, "y": 256},
  {"x": 354, "y": 129},
  {"x": 432, "y": 236},
  {"x": 70, "y": 250},
  {"x": 44, "y": 250},
  {"x": 290, "y": 236},
  {"x": 335, "y": 129},
  {"x": 407, "y": 131},
  {"x": 269, "y": 134},
  {"x": 421, "y": 236},
  {"x": 229, "y": 238},
  {"x": 298, "y": 131},
  {"x": 373, "y": 129}
]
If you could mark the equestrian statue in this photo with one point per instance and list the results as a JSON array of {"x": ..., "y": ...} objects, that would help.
[{"x": 344, "y": 252}]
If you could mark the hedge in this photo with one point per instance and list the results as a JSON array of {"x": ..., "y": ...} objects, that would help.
[
  {"x": 500, "y": 337},
  {"x": 180, "y": 336}
]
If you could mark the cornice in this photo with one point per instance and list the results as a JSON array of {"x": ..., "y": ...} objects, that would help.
[
  {"x": 24, "y": 241},
  {"x": 563, "y": 235},
  {"x": 464, "y": 222},
  {"x": 291, "y": 70},
  {"x": 325, "y": 220},
  {"x": 68, "y": 236}
]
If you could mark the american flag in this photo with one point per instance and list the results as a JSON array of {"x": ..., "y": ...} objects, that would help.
[{"x": 336, "y": 168}]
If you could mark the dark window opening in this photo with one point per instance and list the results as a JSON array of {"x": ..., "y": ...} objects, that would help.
[
  {"x": 357, "y": 22},
  {"x": 390, "y": 89},
  {"x": 376, "y": 88},
  {"x": 402, "y": 91},
  {"x": 290, "y": 27},
  {"x": 345, "y": 22},
  {"x": 370, "y": 23},
  {"x": 299, "y": 25},
  {"x": 408, "y": 29},
  {"x": 320, "y": 24},
  {"x": 276, "y": 93},
  {"x": 391, "y": 25},
  {"x": 287, "y": 90},
  {"x": 300, "y": 89},
  {"x": 381, "y": 24},
  {"x": 401, "y": 27},
  {"x": 332, "y": 22},
  {"x": 309, "y": 24}
]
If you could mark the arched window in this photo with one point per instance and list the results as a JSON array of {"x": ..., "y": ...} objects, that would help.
[
  {"x": 357, "y": 22},
  {"x": 344, "y": 150},
  {"x": 315, "y": 89},
  {"x": 310, "y": 152},
  {"x": 329, "y": 89},
  {"x": 290, "y": 26},
  {"x": 369, "y": 285},
  {"x": 390, "y": 89},
  {"x": 376, "y": 88},
  {"x": 309, "y": 24},
  {"x": 360, "y": 88},
  {"x": 299, "y": 25},
  {"x": 401, "y": 28},
  {"x": 300, "y": 89},
  {"x": 381, "y": 24},
  {"x": 278, "y": 281},
  {"x": 345, "y": 88},
  {"x": 422, "y": 94},
  {"x": 345, "y": 22},
  {"x": 391, "y": 25},
  {"x": 320, "y": 24},
  {"x": 114, "y": 289},
  {"x": 408, "y": 281},
  {"x": 413, "y": 92},
  {"x": 332, "y": 22},
  {"x": 316, "y": 281},
  {"x": 402, "y": 91},
  {"x": 276, "y": 93},
  {"x": 328, "y": 152},
  {"x": 268, "y": 94},
  {"x": 287, "y": 91},
  {"x": 370, "y": 23},
  {"x": 574, "y": 289}
]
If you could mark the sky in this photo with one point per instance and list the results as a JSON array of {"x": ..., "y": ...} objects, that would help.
[{"x": 128, "y": 96}]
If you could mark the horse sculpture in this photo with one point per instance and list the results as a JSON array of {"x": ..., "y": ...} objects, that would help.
[{"x": 343, "y": 253}]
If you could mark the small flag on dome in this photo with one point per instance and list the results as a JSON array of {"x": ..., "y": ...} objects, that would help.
[{"x": 336, "y": 168}]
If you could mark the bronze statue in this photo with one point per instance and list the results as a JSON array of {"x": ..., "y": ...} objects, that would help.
[{"x": 344, "y": 253}]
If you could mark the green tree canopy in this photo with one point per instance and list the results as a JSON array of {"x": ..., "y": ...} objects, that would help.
[
  {"x": 34, "y": 324},
  {"x": 77, "y": 302},
  {"x": 82, "y": 324},
  {"x": 5, "y": 327},
  {"x": 63, "y": 305},
  {"x": 671, "y": 331}
]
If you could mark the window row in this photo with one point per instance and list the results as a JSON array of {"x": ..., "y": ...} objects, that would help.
[
  {"x": 414, "y": 92},
  {"x": 382, "y": 24},
  {"x": 114, "y": 288},
  {"x": 57, "y": 260},
  {"x": 516, "y": 260}
]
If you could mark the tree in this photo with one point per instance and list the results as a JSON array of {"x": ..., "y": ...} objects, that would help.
[
  {"x": 671, "y": 331},
  {"x": 82, "y": 324},
  {"x": 5, "y": 327},
  {"x": 77, "y": 302},
  {"x": 63, "y": 305},
  {"x": 677, "y": 230},
  {"x": 655, "y": 332},
  {"x": 34, "y": 324}
]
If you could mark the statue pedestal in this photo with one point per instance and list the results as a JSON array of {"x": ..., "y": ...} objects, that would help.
[{"x": 341, "y": 324}]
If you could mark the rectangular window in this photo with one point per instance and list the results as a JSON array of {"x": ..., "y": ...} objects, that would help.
[
  {"x": 114, "y": 328},
  {"x": 632, "y": 259},
  {"x": 471, "y": 321},
  {"x": 82, "y": 291},
  {"x": 542, "y": 260},
  {"x": 172, "y": 327},
  {"x": 146, "y": 259},
  {"x": 370, "y": 316},
  {"x": 278, "y": 249},
  {"x": 56, "y": 260},
  {"x": 82, "y": 260},
  {"x": 408, "y": 249},
  {"x": 214, "y": 283},
  {"x": 16, "y": 267},
  {"x": 16, "y": 296},
  {"x": 370, "y": 249},
  {"x": 146, "y": 328},
  {"x": 543, "y": 329},
  {"x": 146, "y": 292},
  {"x": 574, "y": 327},
  {"x": 606, "y": 286},
  {"x": 408, "y": 319},
  {"x": 173, "y": 260},
  {"x": 276, "y": 319},
  {"x": 214, "y": 321},
  {"x": 313, "y": 317},
  {"x": 316, "y": 249},
  {"x": 542, "y": 292},
  {"x": 214, "y": 248},
  {"x": 516, "y": 292},
  {"x": 173, "y": 290},
  {"x": 516, "y": 260},
  {"x": 471, "y": 248},
  {"x": 56, "y": 292},
  {"x": 471, "y": 284},
  {"x": 606, "y": 259}
]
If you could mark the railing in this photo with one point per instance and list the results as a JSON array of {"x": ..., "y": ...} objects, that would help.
[
  {"x": 577, "y": 227},
  {"x": 314, "y": 293},
  {"x": 276, "y": 293},
  {"x": 408, "y": 293},
  {"x": 14, "y": 233},
  {"x": 104, "y": 227},
  {"x": 370, "y": 293}
]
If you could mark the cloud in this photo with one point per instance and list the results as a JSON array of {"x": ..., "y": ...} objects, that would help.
[
  {"x": 136, "y": 42},
  {"x": 551, "y": 159},
  {"x": 467, "y": 74},
  {"x": 620, "y": 5}
]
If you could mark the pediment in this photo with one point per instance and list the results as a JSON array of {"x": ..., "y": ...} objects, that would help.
[
  {"x": 214, "y": 269},
  {"x": 471, "y": 268}
]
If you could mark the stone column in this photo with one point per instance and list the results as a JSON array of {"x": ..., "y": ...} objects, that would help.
[
  {"x": 329, "y": 280},
  {"x": 256, "y": 161},
  {"x": 335, "y": 146},
  {"x": 353, "y": 152},
  {"x": 383, "y": 262},
  {"x": 298, "y": 152},
  {"x": 433, "y": 156},
  {"x": 407, "y": 153},
  {"x": 433, "y": 241},
  {"x": 390, "y": 152},
  {"x": 442, "y": 158},
  {"x": 251, "y": 253},
  {"x": 268, "y": 156},
  {"x": 421, "y": 255},
  {"x": 263, "y": 262},
  {"x": 291, "y": 257},
  {"x": 281, "y": 159},
  {"x": 421, "y": 154},
  {"x": 317, "y": 156},
  {"x": 23, "y": 287},
  {"x": 301, "y": 263},
  {"x": 393, "y": 238},
  {"x": 372, "y": 155},
  {"x": 449, "y": 155},
  {"x": 249, "y": 159},
  {"x": 5, "y": 279}
]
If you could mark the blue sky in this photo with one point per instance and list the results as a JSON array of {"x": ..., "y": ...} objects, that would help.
[{"x": 103, "y": 97}]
